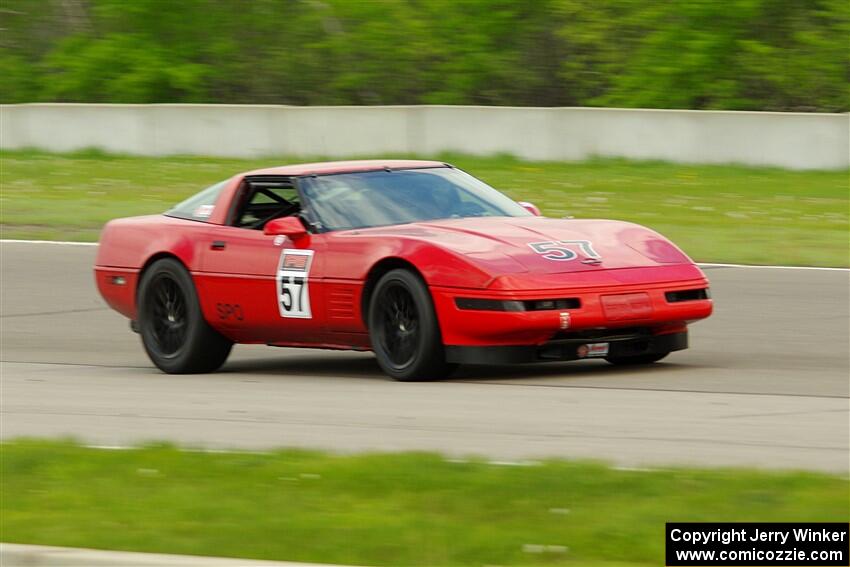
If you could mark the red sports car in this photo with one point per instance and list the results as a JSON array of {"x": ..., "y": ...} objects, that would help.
[{"x": 415, "y": 260}]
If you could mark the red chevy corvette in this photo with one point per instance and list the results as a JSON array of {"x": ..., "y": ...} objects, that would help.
[{"x": 416, "y": 260}]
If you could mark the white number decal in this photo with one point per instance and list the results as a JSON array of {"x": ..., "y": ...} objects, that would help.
[
  {"x": 293, "y": 292},
  {"x": 557, "y": 249}
]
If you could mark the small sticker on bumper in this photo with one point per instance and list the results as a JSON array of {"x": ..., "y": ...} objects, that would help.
[{"x": 592, "y": 350}]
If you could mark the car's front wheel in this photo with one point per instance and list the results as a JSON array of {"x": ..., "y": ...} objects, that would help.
[
  {"x": 175, "y": 335},
  {"x": 403, "y": 329}
]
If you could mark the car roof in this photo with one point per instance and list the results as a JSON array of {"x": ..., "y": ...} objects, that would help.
[{"x": 328, "y": 167}]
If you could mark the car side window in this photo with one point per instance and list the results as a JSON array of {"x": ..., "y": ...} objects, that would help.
[
  {"x": 198, "y": 207},
  {"x": 265, "y": 200}
]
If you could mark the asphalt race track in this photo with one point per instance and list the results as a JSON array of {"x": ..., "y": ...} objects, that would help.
[{"x": 764, "y": 384}]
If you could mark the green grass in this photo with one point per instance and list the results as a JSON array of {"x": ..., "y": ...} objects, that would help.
[
  {"x": 388, "y": 509},
  {"x": 716, "y": 213}
]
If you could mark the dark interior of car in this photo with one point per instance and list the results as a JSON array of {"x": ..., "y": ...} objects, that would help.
[{"x": 262, "y": 199}]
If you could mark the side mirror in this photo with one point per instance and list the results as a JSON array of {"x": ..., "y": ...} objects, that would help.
[
  {"x": 530, "y": 207},
  {"x": 285, "y": 226}
]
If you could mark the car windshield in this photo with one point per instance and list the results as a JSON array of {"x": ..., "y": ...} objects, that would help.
[{"x": 387, "y": 197}]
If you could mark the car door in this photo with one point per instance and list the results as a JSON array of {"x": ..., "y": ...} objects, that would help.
[{"x": 263, "y": 288}]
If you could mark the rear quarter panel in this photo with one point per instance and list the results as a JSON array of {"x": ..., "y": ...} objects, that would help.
[{"x": 127, "y": 244}]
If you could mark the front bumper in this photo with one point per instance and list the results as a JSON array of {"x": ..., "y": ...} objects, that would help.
[
  {"x": 599, "y": 308},
  {"x": 626, "y": 344}
]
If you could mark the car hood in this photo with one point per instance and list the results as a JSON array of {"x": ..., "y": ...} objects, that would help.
[{"x": 547, "y": 246}]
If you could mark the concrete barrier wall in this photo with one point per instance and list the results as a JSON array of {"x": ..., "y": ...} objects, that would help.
[{"x": 790, "y": 140}]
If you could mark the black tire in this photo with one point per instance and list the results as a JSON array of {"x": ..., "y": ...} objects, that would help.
[
  {"x": 404, "y": 331},
  {"x": 174, "y": 333},
  {"x": 637, "y": 359}
]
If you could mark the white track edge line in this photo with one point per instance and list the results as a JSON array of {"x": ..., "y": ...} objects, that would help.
[
  {"x": 700, "y": 264},
  {"x": 714, "y": 265},
  {"x": 58, "y": 242}
]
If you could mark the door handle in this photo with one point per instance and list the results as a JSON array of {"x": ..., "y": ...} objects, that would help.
[{"x": 218, "y": 245}]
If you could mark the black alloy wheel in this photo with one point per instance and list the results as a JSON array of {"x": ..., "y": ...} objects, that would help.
[
  {"x": 167, "y": 314},
  {"x": 398, "y": 324},
  {"x": 174, "y": 333},
  {"x": 403, "y": 329}
]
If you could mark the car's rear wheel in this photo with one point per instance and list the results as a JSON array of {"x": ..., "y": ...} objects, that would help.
[
  {"x": 175, "y": 335},
  {"x": 403, "y": 329},
  {"x": 637, "y": 359}
]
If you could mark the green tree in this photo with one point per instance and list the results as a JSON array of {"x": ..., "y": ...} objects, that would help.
[{"x": 740, "y": 54}]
